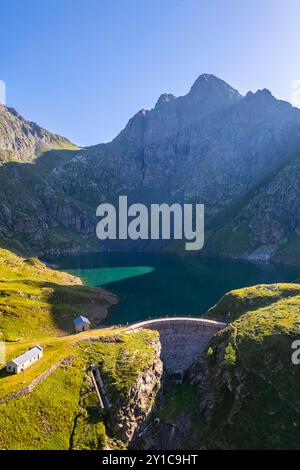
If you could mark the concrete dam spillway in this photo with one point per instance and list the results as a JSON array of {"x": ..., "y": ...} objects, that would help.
[{"x": 182, "y": 339}]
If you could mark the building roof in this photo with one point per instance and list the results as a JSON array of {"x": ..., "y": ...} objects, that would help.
[
  {"x": 31, "y": 353},
  {"x": 81, "y": 319}
]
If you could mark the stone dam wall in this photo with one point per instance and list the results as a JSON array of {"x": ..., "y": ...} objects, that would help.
[{"x": 182, "y": 339}]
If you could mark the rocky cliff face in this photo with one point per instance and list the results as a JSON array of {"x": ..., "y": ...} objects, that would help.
[
  {"x": 236, "y": 154},
  {"x": 131, "y": 410},
  {"x": 273, "y": 216}
]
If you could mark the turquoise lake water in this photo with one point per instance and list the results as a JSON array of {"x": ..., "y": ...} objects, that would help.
[{"x": 153, "y": 285}]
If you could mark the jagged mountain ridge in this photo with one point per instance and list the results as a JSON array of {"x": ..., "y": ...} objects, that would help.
[
  {"x": 22, "y": 140},
  {"x": 212, "y": 145},
  {"x": 213, "y": 155}
]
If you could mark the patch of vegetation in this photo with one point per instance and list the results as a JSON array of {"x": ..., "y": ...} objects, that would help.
[
  {"x": 180, "y": 398},
  {"x": 290, "y": 250},
  {"x": 230, "y": 355},
  {"x": 181, "y": 403},
  {"x": 122, "y": 362},
  {"x": 209, "y": 352},
  {"x": 45, "y": 419},
  {"x": 237, "y": 302},
  {"x": 89, "y": 432},
  {"x": 229, "y": 241}
]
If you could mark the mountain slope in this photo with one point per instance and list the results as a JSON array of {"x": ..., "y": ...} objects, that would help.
[
  {"x": 198, "y": 147},
  {"x": 236, "y": 154},
  {"x": 32, "y": 218},
  {"x": 267, "y": 225}
]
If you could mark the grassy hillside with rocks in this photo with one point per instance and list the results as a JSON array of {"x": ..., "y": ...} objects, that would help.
[
  {"x": 250, "y": 387},
  {"x": 36, "y": 301},
  {"x": 237, "y": 302}
]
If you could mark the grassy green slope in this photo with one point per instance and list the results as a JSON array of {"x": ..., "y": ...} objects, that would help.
[
  {"x": 36, "y": 301},
  {"x": 121, "y": 362},
  {"x": 59, "y": 413},
  {"x": 37, "y": 304},
  {"x": 45, "y": 419},
  {"x": 237, "y": 302},
  {"x": 252, "y": 388}
]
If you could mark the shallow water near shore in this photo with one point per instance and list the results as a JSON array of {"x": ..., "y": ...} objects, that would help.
[{"x": 153, "y": 285}]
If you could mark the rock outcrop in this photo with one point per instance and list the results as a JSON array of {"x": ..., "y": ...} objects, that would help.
[
  {"x": 23, "y": 140},
  {"x": 131, "y": 410}
]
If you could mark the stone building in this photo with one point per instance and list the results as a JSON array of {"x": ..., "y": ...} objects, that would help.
[{"x": 81, "y": 324}]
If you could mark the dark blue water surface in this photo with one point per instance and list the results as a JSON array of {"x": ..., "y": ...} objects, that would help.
[{"x": 152, "y": 285}]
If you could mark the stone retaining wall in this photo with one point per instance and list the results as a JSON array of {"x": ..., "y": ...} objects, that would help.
[{"x": 29, "y": 388}]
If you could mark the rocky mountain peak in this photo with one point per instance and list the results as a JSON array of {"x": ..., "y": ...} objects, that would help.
[
  {"x": 165, "y": 98},
  {"x": 263, "y": 102},
  {"x": 210, "y": 84},
  {"x": 264, "y": 92},
  {"x": 260, "y": 94}
]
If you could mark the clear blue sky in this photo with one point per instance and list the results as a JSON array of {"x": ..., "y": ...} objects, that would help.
[{"x": 82, "y": 68}]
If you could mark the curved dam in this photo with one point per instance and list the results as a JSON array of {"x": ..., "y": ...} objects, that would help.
[{"x": 182, "y": 339}]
